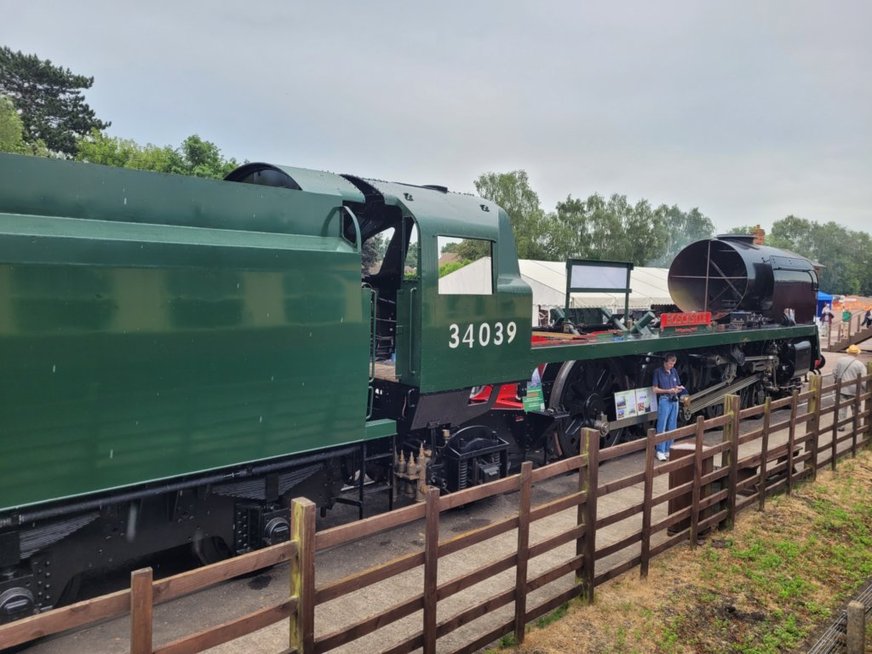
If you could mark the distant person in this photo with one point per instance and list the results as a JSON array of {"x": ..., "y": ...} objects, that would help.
[
  {"x": 867, "y": 319},
  {"x": 668, "y": 387},
  {"x": 827, "y": 314},
  {"x": 846, "y": 322},
  {"x": 848, "y": 370}
]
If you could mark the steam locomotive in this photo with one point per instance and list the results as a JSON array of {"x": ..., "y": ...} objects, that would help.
[{"x": 182, "y": 356}]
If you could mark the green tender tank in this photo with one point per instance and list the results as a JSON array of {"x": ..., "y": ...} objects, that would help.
[{"x": 153, "y": 326}]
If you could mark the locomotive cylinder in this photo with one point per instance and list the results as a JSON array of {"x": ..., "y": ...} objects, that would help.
[{"x": 732, "y": 273}]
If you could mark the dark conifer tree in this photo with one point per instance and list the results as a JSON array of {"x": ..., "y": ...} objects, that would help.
[{"x": 49, "y": 100}]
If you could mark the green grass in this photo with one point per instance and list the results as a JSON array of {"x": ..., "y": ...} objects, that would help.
[
  {"x": 761, "y": 589},
  {"x": 782, "y": 573}
]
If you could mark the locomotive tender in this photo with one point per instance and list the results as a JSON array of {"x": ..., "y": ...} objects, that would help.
[{"x": 183, "y": 356}]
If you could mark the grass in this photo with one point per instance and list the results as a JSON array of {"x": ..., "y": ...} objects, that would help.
[{"x": 763, "y": 588}]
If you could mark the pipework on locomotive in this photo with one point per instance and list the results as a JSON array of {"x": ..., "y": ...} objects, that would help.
[{"x": 183, "y": 356}]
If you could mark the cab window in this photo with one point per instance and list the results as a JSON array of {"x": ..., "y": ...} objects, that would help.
[{"x": 465, "y": 266}]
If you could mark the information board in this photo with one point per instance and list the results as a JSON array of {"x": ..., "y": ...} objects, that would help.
[{"x": 635, "y": 402}]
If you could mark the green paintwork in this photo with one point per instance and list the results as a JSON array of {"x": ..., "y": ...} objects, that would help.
[
  {"x": 153, "y": 326},
  {"x": 625, "y": 346},
  {"x": 424, "y": 356},
  {"x": 380, "y": 428}
]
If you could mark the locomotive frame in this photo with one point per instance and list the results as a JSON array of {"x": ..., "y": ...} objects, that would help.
[{"x": 182, "y": 356}]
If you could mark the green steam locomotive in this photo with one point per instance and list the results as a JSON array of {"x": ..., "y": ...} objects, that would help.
[{"x": 182, "y": 356}]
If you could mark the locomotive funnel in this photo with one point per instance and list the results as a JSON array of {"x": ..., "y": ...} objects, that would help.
[{"x": 731, "y": 273}]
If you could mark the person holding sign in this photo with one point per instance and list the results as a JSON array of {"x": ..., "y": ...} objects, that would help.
[{"x": 668, "y": 388}]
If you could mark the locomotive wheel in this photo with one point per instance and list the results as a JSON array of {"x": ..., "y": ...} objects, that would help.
[
  {"x": 752, "y": 395},
  {"x": 210, "y": 550},
  {"x": 584, "y": 389},
  {"x": 714, "y": 411}
]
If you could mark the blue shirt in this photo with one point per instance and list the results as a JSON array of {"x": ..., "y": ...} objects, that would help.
[{"x": 664, "y": 380}]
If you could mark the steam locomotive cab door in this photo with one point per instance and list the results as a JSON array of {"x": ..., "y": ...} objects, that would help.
[{"x": 408, "y": 346}]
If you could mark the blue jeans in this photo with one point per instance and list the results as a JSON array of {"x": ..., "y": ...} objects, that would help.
[{"x": 667, "y": 419}]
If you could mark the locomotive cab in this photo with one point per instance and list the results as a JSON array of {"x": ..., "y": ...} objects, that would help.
[
  {"x": 432, "y": 343},
  {"x": 442, "y": 339}
]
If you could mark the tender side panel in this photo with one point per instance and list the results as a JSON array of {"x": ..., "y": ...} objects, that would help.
[{"x": 116, "y": 374}]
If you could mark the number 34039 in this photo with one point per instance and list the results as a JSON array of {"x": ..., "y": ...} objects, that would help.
[{"x": 483, "y": 334}]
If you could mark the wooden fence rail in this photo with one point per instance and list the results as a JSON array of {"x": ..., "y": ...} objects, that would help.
[{"x": 703, "y": 487}]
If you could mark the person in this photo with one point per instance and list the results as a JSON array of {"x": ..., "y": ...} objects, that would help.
[
  {"x": 827, "y": 315},
  {"x": 668, "y": 388},
  {"x": 867, "y": 319},
  {"x": 848, "y": 370},
  {"x": 845, "y": 327}
]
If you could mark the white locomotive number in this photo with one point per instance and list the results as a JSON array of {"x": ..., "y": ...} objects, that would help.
[{"x": 483, "y": 334}]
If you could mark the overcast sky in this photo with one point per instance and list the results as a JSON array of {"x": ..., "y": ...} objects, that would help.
[{"x": 749, "y": 110}]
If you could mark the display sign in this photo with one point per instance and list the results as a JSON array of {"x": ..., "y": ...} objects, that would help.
[
  {"x": 534, "y": 400},
  {"x": 635, "y": 402},
  {"x": 689, "y": 319},
  {"x": 602, "y": 276}
]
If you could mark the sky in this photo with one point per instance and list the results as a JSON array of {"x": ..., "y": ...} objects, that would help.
[{"x": 748, "y": 110}]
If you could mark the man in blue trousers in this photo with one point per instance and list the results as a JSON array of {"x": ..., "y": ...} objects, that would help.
[{"x": 668, "y": 388}]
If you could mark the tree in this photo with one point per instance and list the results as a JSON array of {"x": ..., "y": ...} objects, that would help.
[
  {"x": 372, "y": 253},
  {"x": 512, "y": 192},
  {"x": 194, "y": 157},
  {"x": 682, "y": 229},
  {"x": 611, "y": 229},
  {"x": 203, "y": 159},
  {"x": 49, "y": 101},
  {"x": 12, "y": 132},
  {"x": 101, "y": 148},
  {"x": 846, "y": 255},
  {"x": 741, "y": 229},
  {"x": 11, "y": 128}
]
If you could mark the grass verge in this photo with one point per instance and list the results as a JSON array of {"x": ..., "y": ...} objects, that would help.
[{"x": 763, "y": 588}]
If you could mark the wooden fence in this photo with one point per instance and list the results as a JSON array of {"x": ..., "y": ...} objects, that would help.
[
  {"x": 838, "y": 334},
  {"x": 705, "y": 489}
]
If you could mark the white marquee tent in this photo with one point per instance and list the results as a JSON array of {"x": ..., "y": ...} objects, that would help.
[{"x": 547, "y": 279}]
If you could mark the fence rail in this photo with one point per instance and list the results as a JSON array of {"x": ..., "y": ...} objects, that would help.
[{"x": 706, "y": 485}]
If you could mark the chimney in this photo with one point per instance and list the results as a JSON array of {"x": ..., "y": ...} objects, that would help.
[{"x": 759, "y": 235}]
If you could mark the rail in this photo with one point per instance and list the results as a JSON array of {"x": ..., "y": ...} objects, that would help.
[{"x": 704, "y": 486}]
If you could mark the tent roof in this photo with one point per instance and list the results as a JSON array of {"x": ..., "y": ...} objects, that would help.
[
  {"x": 547, "y": 279},
  {"x": 649, "y": 286}
]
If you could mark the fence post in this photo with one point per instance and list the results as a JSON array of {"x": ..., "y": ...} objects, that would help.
[
  {"x": 730, "y": 457},
  {"x": 647, "y": 503},
  {"x": 867, "y": 409},
  {"x": 141, "y": 606},
  {"x": 697, "y": 478},
  {"x": 813, "y": 426},
  {"x": 523, "y": 550},
  {"x": 855, "y": 421},
  {"x": 856, "y": 627},
  {"x": 302, "y": 576},
  {"x": 791, "y": 439},
  {"x": 836, "y": 405},
  {"x": 589, "y": 483},
  {"x": 431, "y": 569},
  {"x": 764, "y": 454}
]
